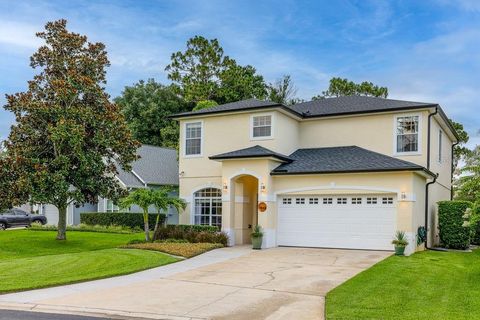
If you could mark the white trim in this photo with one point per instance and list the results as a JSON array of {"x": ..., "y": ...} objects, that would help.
[
  {"x": 139, "y": 178},
  {"x": 183, "y": 142},
  {"x": 192, "y": 197},
  {"x": 419, "y": 133},
  {"x": 338, "y": 187},
  {"x": 272, "y": 126}
]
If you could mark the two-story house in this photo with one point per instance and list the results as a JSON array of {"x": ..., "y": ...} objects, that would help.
[{"x": 342, "y": 172}]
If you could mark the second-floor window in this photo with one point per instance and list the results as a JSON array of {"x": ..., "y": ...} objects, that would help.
[
  {"x": 407, "y": 134},
  {"x": 440, "y": 134},
  {"x": 193, "y": 138},
  {"x": 262, "y": 126}
]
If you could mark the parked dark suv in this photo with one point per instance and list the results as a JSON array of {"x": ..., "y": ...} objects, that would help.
[{"x": 19, "y": 218}]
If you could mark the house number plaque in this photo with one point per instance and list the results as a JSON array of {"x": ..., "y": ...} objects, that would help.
[{"x": 262, "y": 206}]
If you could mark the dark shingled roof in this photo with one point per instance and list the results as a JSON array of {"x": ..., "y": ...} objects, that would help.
[
  {"x": 252, "y": 152},
  {"x": 156, "y": 166},
  {"x": 233, "y": 106},
  {"x": 342, "y": 159},
  {"x": 353, "y": 104}
]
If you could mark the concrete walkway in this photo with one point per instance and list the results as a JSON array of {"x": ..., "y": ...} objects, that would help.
[{"x": 229, "y": 283}]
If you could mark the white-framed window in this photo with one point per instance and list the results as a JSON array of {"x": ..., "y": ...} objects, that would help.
[
  {"x": 261, "y": 127},
  {"x": 193, "y": 138},
  {"x": 440, "y": 138},
  {"x": 300, "y": 200},
  {"x": 111, "y": 206},
  {"x": 208, "y": 207},
  {"x": 371, "y": 200},
  {"x": 407, "y": 130},
  {"x": 387, "y": 200},
  {"x": 327, "y": 200},
  {"x": 313, "y": 200},
  {"x": 356, "y": 200},
  {"x": 341, "y": 200},
  {"x": 287, "y": 200}
]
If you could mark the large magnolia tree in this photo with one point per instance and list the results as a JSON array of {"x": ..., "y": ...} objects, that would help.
[{"x": 68, "y": 135}]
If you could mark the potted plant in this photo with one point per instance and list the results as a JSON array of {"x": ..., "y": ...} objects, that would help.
[
  {"x": 400, "y": 242},
  {"x": 257, "y": 237}
]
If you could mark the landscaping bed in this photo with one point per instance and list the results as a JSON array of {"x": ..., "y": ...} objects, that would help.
[{"x": 186, "y": 250}]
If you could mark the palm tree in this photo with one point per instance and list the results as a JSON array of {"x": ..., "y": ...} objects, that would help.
[
  {"x": 142, "y": 198},
  {"x": 163, "y": 200}
]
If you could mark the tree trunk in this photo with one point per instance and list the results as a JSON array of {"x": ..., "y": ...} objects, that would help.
[
  {"x": 147, "y": 228},
  {"x": 62, "y": 223},
  {"x": 156, "y": 226}
]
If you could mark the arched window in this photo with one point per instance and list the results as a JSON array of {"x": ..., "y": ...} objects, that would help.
[{"x": 208, "y": 207}]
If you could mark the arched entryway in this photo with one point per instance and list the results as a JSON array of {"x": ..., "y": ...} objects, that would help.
[{"x": 243, "y": 202}]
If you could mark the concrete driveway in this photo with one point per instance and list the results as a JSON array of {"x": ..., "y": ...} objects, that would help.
[{"x": 229, "y": 283}]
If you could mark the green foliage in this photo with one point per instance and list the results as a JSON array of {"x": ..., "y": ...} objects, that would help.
[
  {"x": 203, "y": 72},
  {"x": 67, "y": 136},
  {"x": 124, "y": 219},
  {"x": 88, "y": 228},
  {"x": 282, "y": 91},
  {"x": 343, "y": 87},
  {"x": 204, "y": 104},
  {"x": 454, "y": 224},
  {"x": 468, "y": 185},
  {"x": 460, "y": 151},
  {"x": 191, "y": 233},
  {"x": 146, "y": 107},
  {"x": 400, "y": 239},
  {"x": 257, "y": 232}
]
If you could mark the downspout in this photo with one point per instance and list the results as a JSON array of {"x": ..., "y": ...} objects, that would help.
[
  {"x": 453, "y": 170},
  {"x": 428, "y": 167}
]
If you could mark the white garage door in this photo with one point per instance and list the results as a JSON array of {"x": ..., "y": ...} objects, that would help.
[{"x": 354, "y": 222}]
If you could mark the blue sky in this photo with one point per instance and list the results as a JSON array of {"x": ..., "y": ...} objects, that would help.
[{"x": 421, "y": 50}]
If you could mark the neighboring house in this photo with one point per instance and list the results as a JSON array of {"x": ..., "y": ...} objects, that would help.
[
  {"x": 156, "y": 167},
  {"x": 342, "y": 172}
]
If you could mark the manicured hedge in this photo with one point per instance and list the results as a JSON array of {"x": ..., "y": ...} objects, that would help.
[
  {"x": 193, "y": 227},
  {"x": 455, "y": 233},
  {"x": 125, "y": 219},
  {"x": 191, "y": 233}
]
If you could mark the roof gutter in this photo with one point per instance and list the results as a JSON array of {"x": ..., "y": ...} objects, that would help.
[{"x": 286, "y": 173}]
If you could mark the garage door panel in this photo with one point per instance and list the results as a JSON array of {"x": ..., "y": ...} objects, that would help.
[{"x": 328, "y": 223}]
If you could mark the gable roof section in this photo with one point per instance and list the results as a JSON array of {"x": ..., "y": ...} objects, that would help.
[
  {"x": 348, "y": 159},
  {"x": 252, "y": 152},
  {"x": 156, "y": 166}
]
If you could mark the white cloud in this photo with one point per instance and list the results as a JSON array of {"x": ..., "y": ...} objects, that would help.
[{"x": 19, "y": 34}]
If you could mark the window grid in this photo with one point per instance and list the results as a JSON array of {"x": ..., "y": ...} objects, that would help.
[
  {"x": 300, "y": 200},
  {"x": 327, "y": 200},
  {"x": 341, "y": 200},
  {"x": 387, "y": 200},
  {"x": 208, "y": 207},
  {"x": 407, "y": 134},
  {"x": 262, "y": 126},
  {"x": 356, "y": 200},
  {"x": 313, "y": 200},
  {"x": 193, "y": 138},
  {"x": 371, "y": 200},
  {"x": 287, "y": 201}
]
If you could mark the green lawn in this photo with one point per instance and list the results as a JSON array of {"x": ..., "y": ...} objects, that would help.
[
  {"x": 34, "y": 259},
  {"x": 426, "y": 285}
]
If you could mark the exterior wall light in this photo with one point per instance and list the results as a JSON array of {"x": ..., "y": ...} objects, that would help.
[
  {"x": 225, "y": 186},
  {"x": 403, "y": 196},
  {"x": 262, "y": 187}
]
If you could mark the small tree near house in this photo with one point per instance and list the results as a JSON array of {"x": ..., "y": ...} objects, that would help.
[
  {"x": 162, "y": 199},
  {"x": 68, "y": 135}
]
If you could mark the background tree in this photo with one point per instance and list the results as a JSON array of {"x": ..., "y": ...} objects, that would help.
[
  {"x": 204, "y": 104},
  {"x": 282, "y": 91},
  {"x": 203, "y": 72},
  {"x": 343, "y": 87},
  {"x": 460, "y": 151},
  {"x": 163, "y": 199},
  {"x": 469, "y": 182},
  {"x": 146, "y": 107},
  {"x": 144, "y": 199},
  {"x": 68, "y": 134}
]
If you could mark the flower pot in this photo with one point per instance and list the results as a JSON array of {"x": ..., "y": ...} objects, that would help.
[
  {"x": 399, "y": 250},
  {"x": 257, "y": 243}
]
